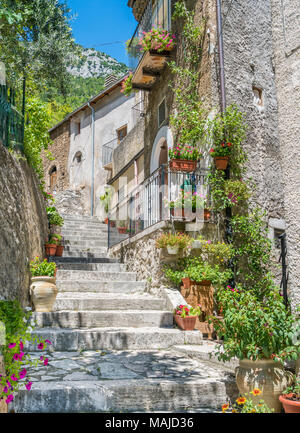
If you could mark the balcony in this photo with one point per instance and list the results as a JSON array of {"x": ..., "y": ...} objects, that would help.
[
  {"x": 11, "y": 120},
  {"x": 152, "y": 202},
  {"x": 107, "y": 153},
  {"x": 149, "y": 65}
]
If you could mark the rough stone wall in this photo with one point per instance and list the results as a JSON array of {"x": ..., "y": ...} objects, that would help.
[
  {"x": 60, "y": 151},
  {"x": 286, "y": 35},
  {"x": 23, "y": 226},
  {"x": 248, "y": 53}
]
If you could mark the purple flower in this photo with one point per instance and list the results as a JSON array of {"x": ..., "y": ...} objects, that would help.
[{"x": 5, "y": 390}]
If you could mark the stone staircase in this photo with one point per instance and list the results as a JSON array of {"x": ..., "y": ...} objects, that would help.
[{"x": 113, "y": 344}]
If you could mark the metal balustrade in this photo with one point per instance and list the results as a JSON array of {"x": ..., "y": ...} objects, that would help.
[
  {"x": 107, "y": 151},
  {"x": 149, "y": 203},
  {"x": 11, "y": 120}
]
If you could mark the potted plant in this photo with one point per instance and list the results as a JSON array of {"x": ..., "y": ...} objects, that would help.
[
  {"x": 290, "y": 397},
  {"x": 157, "y": 40},
  {"x": 122, "y": 228},
  {"x": 43, "y": 290},
  {"x": 184, "y": 158},
  {"x": 105, "y": 200},
  {"x": 54, "y": 219},
  {"x": 56, "y": 239},
  {"x": 50, "y": 246},
  {"x": 173, "y": 243},
  {"x": 255, "y": 330},
  {"x": 221, "y": 154},
  {"x": 185, "y": 317}
]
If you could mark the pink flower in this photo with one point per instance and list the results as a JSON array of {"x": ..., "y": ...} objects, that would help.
[
  {"x": 12, "y": 345},
  {"x": 14, "y": 378},
  {"x": 46, "y": 361},
  {"x": 8, "y": 384},
  {"x": 21, "y": 345},
  {"x": 16, "y": 357},
  {"x": 21, "y": 355},
  {"x": 41, "y": 346},
  {"x": 5, "y": 390},
  {"x": 47, "y": 341},
  {"x": 23, "y": 373},
  {"x": 9, "y": 399},
  {"x": 28, "y": 386}
]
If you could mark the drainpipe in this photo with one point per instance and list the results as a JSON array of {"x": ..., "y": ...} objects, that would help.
[
  {"x": 221, "y": 56},
  {"x": 93, "y": 159},
  {"x": 228, "y": 210}
]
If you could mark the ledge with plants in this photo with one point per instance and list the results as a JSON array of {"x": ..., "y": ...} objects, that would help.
[
  {"x": 173, "y": 242},
  {"x": 184, "y": 157}
]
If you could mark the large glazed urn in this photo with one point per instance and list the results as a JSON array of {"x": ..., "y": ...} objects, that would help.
[
  {"x": 267, "y": 375},
  {"x": 43, "y": 293}
]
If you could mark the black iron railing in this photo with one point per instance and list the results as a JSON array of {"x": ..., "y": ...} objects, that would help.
[
  {"x": 283, "y": 260},
  {"x": 156, "y": 14},
  {"x": 157, "y": 199},
  {"x": 11, "y": 120}
]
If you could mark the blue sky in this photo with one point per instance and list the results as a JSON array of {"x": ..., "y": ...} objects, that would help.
[{"x": 100, "y": 22}]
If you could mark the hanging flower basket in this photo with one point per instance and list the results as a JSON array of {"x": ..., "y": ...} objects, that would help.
[
  {"x": 183, "y": 165},
  {"x": 221, "y": 162}
]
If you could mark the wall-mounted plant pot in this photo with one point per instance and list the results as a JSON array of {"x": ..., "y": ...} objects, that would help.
[
  {"x": 182, "y": 165},
  {"x": 207, "y": 214},
  {"x": 122, "y": 230},
  {"x": 50, "y": 249},
  {"x": 289, "y": 406},
  {"x": 185, "y": 323},
  {"x": 106, "y": 221},
  {"x": 221, "y": 162},
  {"x": 59, "y": 250},
  {"x": 172, "y": 250}
]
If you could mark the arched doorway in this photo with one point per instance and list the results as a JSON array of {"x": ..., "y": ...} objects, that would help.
[
  {"x": 162, "y": 143},
  {"x": 53, "y": 178}
]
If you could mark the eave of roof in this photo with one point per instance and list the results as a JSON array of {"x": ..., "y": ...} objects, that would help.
[{"x": 93, "y": 100}]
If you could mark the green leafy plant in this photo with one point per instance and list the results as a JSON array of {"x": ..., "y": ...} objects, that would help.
[
  {"x": 127, "y": 85},
  {"x": 185, "y": 152},
  {"x": 53, "y": 217},
  {"x": 39, "y": 268},
  {"x": 185, "y": 311},
  {"x": 55, "y": 239},
  {"x": 106, "y": 199},
  {"x": 247, "y": 404},
  {"x": 293, "y": 392},
  {"x": 16, "y": 360},
  {"x": 157, "y": 39},
  {"x": 216, "y": 252},
  {"x": 251, "y": 328},
  {"x": 168, "y": 239}
]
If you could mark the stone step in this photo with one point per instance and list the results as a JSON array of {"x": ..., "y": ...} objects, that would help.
[
  {"x": 82, "y": 260},
  {"x": 99, "y": 319},
  {"x": 103, "y": 267},
  {"x": 88, "y": 254},
  {"x": 116, "y": 338},
  {"x": 108, "y": 302},
  {"x": 79, "y": 275},
  {"x": 85, "y": 238},
  {"x": 101, "y": 286},
  {"x": 131, "y": 381},
  {"x": 75, "y": 225},
  {"x": 86, "y": 244}
]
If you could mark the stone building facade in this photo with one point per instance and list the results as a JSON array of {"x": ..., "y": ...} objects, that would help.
[
  {"x": 82, "y": 149},
  {"x": 261, "y": 51}
]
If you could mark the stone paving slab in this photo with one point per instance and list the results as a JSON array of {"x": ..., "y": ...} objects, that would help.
[{"x": 127, "y": 381}]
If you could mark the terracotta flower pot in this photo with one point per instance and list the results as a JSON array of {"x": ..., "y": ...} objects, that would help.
[
  {"x": 106, "y": 221},
  {"x": 59, "y": 250},
  {"x": 43, "y": 292},
  {"x": 182, "y": 165},
  {"x": 122, "y": 230},
  {"x": 186, "y": 283},
  {"x": 267, "y": 375},
  {"x": 221, "y": 162},
  {"x": 186, "y": 323},
  {"x": 289, "y": 406},
  {"x": 50, "y": 249},
  {"x": 207, "y": 214}
]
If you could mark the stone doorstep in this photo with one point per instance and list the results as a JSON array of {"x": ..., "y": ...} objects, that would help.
[
  {"x": 101, "y": 267},
  {"x": 83, "y": 260},
  {"x": 93, "y": 275},
  {"x": 116, "y": 338}
]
